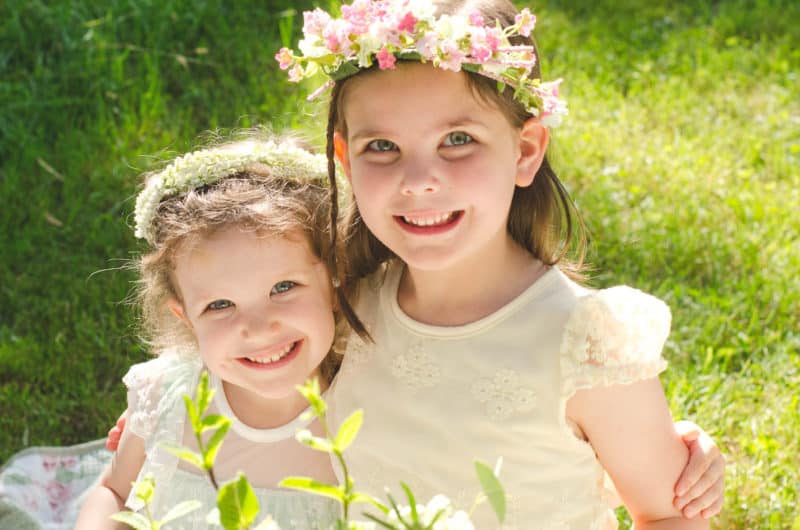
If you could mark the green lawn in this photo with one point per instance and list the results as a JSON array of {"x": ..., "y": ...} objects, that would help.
[{"x": 682, "y": 150}]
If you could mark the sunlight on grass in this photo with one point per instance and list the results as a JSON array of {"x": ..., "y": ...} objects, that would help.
[{"x": 682, "y": 150}]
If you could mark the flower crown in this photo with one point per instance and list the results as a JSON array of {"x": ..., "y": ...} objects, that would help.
[
  {"x": 388, "y": 30},
  {"x": 207, "y": 166}
]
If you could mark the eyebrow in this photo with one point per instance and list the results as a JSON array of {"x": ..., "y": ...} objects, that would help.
[{"x": 451, "y": 124}]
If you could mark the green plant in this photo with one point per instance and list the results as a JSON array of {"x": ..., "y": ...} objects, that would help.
[{"x": 237, "y": 505}]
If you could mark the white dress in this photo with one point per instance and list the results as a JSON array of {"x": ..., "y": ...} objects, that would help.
[
  {"x": 157, "y": 414},
  {"x": 437, "y": 398}
]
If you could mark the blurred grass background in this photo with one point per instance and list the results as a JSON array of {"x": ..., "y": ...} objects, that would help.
[{"x": 682, "y": 151}]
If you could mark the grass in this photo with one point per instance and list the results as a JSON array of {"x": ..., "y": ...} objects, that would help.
[{"x": 682, "y": 151}]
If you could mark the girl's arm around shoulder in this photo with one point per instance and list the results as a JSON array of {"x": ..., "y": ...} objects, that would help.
[
  {"x": 112, "y": 491},
  {"x": 632, "y": 432}
]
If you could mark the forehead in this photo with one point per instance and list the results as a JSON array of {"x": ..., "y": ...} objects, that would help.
[
  {"x": 412, "y": 91},
  {"x": 235, "y": 250}
]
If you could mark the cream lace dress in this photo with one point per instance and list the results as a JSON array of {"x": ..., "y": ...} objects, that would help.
[
  {"x": 157, "y": 413},
  {"x": 437, "y": 398}
]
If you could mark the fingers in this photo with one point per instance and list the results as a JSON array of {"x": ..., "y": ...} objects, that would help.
[
  {"x": 112, "y": 441},
  {"x": 707, "y": 504},
  {"x": 115, "y": 433},
  {"x": 703, "y": 453}
]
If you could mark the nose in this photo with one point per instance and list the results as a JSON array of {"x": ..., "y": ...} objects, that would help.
[
  {"x": 419, "y": 178},
  {"x": 258, "y": 323}
]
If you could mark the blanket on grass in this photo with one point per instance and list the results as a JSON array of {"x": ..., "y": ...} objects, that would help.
[{"x": 42, "y": 488}]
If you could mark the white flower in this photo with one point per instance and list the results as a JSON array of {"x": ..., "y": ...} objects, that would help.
[{"x": 210, "y": 165}]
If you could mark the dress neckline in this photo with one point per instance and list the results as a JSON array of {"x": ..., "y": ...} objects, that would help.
[
  {"x": 388, "y": 299},
  {"x": 275, "y": 434}
]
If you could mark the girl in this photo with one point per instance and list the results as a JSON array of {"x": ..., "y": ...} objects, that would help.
[
  {"x": 485, "y": 345},
  {"x": 236, "y": 283}
]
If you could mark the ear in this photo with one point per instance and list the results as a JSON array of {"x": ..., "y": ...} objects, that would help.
[
  {"x": 177, "y": 309},
  {"x": 533, "y": 140},
  {"x": 340, "y": 149}
]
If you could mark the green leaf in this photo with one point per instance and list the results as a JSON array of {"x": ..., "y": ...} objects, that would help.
[
  {"x": 368, "y": 499},
  {"x": 313, "y": 486},
  {"x": 796, "y": 523},
  {"x": 381, "y": 522},
  {"x": 204, "y": 393},
  {"x": 311, "y": 392},
  {"x": 412, "y": 502},
  {"x": 214, "y": 421},
  {"x": 348, "y": 431},
  {"x": 305, "y": 437},
  {"x": 237, "y": 503},
  {"x": 180, "y": 510},
  {"x": 214, "y": 443},
  {"x": 134, "y": 520},
  {"x": 144, "y": 489},
  {"x": 492, "y": 489},
  {"x": 194, "y": 416},
  {"x": 184, "y": 454}
]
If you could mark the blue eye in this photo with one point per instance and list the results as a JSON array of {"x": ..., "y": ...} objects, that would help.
[
  {"x": 381, "y": 146},
  {"x": 282, "y": 287},
  {"x": 218, "y": 305},
  {"x": 457, "y": 138}
]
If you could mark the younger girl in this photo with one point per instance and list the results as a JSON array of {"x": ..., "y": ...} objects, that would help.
[
  {"x": 485, "y": 345},
  {"x": 235, "y": 283}
]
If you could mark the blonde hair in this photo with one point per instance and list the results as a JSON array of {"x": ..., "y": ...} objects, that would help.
[
  {"x": 252, "y": 199},
  {"x": 542, "y": 219}
]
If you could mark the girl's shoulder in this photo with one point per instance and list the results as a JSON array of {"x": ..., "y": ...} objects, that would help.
[
  {"x": 613, "y": 336},
  {"x": 156, "y": 386}
]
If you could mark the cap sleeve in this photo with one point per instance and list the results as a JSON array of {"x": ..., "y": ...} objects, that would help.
[
  {"x": 613, "y": 336},
  {"x": 154, "y": 387}
]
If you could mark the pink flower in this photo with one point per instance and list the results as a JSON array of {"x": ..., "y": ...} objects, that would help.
[
  {"x": 315, "y": 22},
  {"x": 359, "y": 14},
  {"x": 526, "y": 21},
  {"x": 49, "y": 463},
  {"x": 296, "y": 74},
  {"x": 482, "y": 45},
  {"x": 57, "y": 493},
  {"x": 386, "y": 59},
  {"x": 452, "y": 56},
  {"x": 426, "y": 45},
  {"x": 285, "y": 58},
  {"x": 476, "y": 19},
  {"x": 407, "y": 23}
]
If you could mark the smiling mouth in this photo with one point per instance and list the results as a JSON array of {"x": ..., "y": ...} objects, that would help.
[
  {"x": 275, "y": 357},
  {"x": 424, "y": 221}
]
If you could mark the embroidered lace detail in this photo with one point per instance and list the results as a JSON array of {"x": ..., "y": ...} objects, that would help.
[
  {"x": 613, "y": 336},
  {"x": 416, "y": 369},
  {"x": 504, "y": 394},
  {"x": 356, "y": 355}
]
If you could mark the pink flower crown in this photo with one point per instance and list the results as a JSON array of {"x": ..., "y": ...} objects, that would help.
[{"x": 388, "y": 30}]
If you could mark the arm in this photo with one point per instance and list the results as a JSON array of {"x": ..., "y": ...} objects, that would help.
[
  {"x": 631, "y": 430},
  {"x": 109, "y": 496}
]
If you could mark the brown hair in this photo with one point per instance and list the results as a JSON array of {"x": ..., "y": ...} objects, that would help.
[
  {"x": 542, "y": 219},
  {"x": 252, "y": 199}
]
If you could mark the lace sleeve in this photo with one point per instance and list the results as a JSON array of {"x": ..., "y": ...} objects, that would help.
[
  {"x": 156, "y": 411},
  {"x": 613, "y": 336},
  {"x": 153, "y": 386}
]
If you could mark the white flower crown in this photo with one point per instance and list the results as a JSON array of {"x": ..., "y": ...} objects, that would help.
[
  {"x": 206, "y": 166},
  {"x": 388, "y": 30}
]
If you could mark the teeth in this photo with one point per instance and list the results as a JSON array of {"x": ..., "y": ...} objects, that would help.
[
  {"x": 272, "y": 358},
  {"x": 430, "y": 221}
]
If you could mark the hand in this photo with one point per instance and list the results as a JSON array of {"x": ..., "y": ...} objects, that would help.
[
  {"x": 700, "y": 489},
  {"x": 115, "y": 433}
]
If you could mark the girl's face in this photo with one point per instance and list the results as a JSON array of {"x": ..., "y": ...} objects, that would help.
[
  {"x": 433, "y": 168},
  {"x": 260, "y": 308}
]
